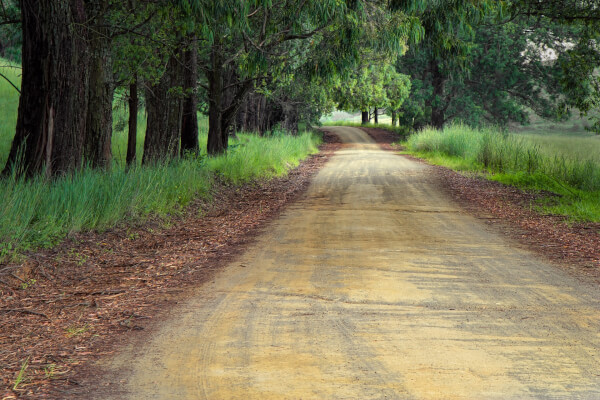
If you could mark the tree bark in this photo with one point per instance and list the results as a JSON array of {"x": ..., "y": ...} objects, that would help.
[
  {"x": 439, "y": 84},
  {"x": 217, "y": 139},
  {"x": 133, "y": 114},
  {"x": 163, "y": 131},
  {"x": 365, "y": 117},
  {"x": 53, "y": 106},
  {"x": 189, "y": 124},
  {"x": 394, "y": 117},
  {"x": 222, "y": 106},
  {"x": 376, "y": 115},
  {"x": 97, "y": 145}
]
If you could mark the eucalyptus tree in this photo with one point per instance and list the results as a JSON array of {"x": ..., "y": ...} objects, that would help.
[
  {"x": 53, "y": 104},
  {"x": 580, "y": 63},
  {"x": 247, "y": 43},
  {"x": 506, "y": 74},
  {"x": 442, "y": 54},
  {"x": 373, "y": 86}
]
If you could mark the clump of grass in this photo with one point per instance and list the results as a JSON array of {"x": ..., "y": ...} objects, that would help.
[
  {"x": 21, "y": 376},
  {"x": 253, "y": 157},
  {"x": 514, "y": 160}
]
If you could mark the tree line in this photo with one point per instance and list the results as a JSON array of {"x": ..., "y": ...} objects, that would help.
[{"x": 252, "y": 65}]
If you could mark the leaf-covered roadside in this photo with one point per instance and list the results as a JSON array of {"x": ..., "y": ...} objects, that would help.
[{"x": 62, "y": 309}]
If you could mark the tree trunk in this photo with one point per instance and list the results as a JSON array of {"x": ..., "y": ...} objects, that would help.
[
  {"x": 365, "y": 117},
  {"x": 97, "y": 145},
  {"x": 189, "y": 124},
  {"x": 222, "y": 106},
  {"x": 217, "y": 139},
  {"x": 439, "y": 84},
  {"x": 53, "y": 104},
  {"x": 164, "y": 108},
  {"x": 376, "y": 115},
  {"x": 290, "y": 119},
  {"x": 134, "y": 103},
  {"x": 394, "y": 117}
]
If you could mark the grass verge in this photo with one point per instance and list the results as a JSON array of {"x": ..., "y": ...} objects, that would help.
[
  {"x": 572, "y": 184},
  {"x": 37, "y": 213}
]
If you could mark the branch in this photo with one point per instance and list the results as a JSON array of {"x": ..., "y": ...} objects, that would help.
[
  {"x": 12, "y": 84},
  {"x": 9, "y": 22}
]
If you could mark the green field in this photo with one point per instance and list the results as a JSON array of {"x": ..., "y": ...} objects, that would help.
[
  {"x": 567, "y": 165},
  {"x": 38, "y": 213}
]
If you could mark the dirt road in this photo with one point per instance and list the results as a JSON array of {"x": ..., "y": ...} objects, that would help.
[{"x": 376, "y": 286}]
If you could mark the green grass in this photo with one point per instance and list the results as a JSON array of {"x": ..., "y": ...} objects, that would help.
[
  {"x": 9, "y": 104},
  {"x": 572, "y": 172},
  {"x": 39, "y": 213}
]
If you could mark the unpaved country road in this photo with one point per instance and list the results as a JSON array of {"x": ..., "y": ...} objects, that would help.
[{"x": 376, "y": 286}]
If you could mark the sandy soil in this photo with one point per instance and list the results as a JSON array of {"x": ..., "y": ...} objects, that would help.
[{"x": 374, "y": 285}]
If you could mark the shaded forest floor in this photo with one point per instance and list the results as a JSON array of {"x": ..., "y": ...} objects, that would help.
[
  {"x": 573, "y": 246},
  {"x": 64, "y": 308}
]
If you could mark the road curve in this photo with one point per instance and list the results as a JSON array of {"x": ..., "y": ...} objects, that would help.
[{"x": 376, "y": 286}]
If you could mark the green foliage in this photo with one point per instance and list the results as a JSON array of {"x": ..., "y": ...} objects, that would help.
[
  {"x": 376, "y": 85},
  {"x": 511, "y": 159},
  {"x": 503, "y": 76},
  {"x": 10, "y": 32}
]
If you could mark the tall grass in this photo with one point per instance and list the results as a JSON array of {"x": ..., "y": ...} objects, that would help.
[
  {"x": 38, "y": 213},
  {"x": 518, "y": 161}
]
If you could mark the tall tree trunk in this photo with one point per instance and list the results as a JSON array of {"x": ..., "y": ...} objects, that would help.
[
  {"x": 394, "y": 117},
  {"x": 163, "y": 131},
  {"x": 134, "y": 103},
  {"x": 53, "y": 104},
  {"x": 189, "y": 124},
  {"x": 439, "y": 85},
  {"x": 217, "y": 139},
  {"x": 97, "y": 145},
  {"x": 376, "y": 115},
  {"x": 365, "y": 117},
  {"x": 222, "y": 106}
]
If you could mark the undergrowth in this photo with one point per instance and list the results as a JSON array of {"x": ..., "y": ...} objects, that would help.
[
  {"x": 37, "y": 213},
  {"x": 514, "y": 160}
]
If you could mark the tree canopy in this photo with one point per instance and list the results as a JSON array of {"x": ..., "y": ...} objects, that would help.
[{"x": 261, "y": 64}]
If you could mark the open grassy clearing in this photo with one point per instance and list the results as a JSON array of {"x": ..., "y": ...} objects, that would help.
[
  {"x": 38, "y": 213},
  {"x": 572, "y": 173}
]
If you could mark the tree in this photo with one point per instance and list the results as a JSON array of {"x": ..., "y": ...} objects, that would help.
[
  {"x": 506, "y": 73},
  {"x": 248, "y": 43},
  {"x": 376, "y": 86},
  {"x": 54, "y": 94},
  {"x": 448, "y": 25}
]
